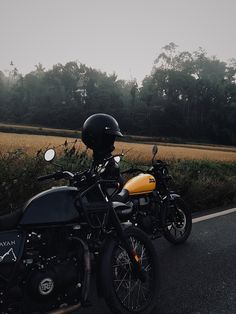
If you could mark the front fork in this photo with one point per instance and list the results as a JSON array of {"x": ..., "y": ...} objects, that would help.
[
  {"x": 135, "y": 261},
  {"x": 168, "y": 206}
]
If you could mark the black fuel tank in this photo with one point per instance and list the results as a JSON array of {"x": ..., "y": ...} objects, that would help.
[{"x": 56, "y": 205}]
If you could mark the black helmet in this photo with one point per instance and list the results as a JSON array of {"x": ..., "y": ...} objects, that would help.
[{"x": 99, "y": 132}]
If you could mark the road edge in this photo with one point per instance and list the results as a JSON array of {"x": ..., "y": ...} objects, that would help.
[{"x": 214, "y": 215}]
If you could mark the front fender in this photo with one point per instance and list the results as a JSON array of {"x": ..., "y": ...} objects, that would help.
[{"x": 102, "y": 265}]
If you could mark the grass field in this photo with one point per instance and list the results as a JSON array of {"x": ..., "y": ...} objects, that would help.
[
  {"x": 137, "y": 151},
  {"x": 37, "y": 130}
]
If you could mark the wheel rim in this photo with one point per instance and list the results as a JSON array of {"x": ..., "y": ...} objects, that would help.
[
  {"x": 133, "y": 294},
  {"x": 179, "y": 225}
]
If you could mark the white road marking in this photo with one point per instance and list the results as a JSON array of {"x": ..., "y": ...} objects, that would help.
[{"x": 222, "y": 213}]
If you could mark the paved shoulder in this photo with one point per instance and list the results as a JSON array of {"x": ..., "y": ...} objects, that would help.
[{"x": 198, "y": 277}]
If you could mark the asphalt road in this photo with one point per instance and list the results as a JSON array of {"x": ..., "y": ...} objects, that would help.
[{"x": 198, "y": 277}]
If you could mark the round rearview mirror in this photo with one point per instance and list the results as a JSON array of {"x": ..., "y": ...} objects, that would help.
[
  {"x": 154, "y": 149},
  {"x": 50, "y": 154},
  {"x": 117, "y": 159}
]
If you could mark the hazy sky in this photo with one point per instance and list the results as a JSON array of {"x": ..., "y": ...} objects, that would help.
[{"x": 124, "y": 36}]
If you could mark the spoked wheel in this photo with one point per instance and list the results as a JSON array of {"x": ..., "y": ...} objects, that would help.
[
  {"x": 133, "y": 294},
  {"x": 179, "y": 224},
  {"x": 126, "y": 292}
]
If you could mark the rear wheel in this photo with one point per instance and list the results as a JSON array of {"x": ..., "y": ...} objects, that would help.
[
  {"x": 125, "y": 293},
  {"x": 179, "y": 223}
]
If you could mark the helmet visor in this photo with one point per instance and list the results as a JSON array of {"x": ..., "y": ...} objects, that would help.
[{"x": 114, "y": 132}]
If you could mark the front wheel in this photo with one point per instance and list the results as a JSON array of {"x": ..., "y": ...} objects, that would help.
[
  {"x": 125, "y": 293},
  {"x": 179, "y": 222}
]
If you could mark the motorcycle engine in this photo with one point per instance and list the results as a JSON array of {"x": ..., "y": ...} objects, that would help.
[
  {"x": 56, "y": 283},
  {"x": 146, "y": 214},
  {"x": 45, "y": 281}
]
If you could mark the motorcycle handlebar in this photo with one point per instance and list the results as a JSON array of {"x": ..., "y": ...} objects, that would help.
[
  {"x": 57, "y": 176},
  {"x": 47, "y": 177}
]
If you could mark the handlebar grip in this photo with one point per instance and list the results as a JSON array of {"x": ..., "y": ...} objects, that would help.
[{"x": 47, "y": 177}]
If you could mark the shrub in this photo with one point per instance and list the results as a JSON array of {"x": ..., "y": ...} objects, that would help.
[
  {"x": 19, "y": 172},
  {"x": 205, "y": 184}
]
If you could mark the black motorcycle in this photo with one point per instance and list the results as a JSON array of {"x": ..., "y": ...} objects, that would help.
[
  {"x": 156, "y": 208},
  {"x": 46, "y": 250}
]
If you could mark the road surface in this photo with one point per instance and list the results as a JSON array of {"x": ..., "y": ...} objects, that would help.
[{"x": 198, "y": 277}]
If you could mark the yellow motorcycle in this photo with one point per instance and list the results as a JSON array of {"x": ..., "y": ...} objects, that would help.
[{"x": 156, "y": 209}]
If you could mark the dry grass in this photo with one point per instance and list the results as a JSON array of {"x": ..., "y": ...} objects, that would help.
[
  {"x": 137, "y": 151},
  {"x": 29, "y": 143},
  {"x": 143, "y": 152}
]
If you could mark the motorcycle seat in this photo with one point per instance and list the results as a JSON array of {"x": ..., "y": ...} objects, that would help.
[
  {"x": 10, "y": 220},
  {"x": 122, "y": 196},
  {"x": 122, "y": 210}
]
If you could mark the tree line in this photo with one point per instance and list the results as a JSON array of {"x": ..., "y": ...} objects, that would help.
[{"x": 187, "y": 96}]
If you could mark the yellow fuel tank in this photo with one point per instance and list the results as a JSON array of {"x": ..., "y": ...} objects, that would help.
[{"x": 141, "y": 184}]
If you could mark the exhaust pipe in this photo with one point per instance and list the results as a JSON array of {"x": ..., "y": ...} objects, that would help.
[{"x": 66, "y": 310}]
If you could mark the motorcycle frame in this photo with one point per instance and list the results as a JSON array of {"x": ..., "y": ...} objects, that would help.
[{"x": 111, "y": 219}]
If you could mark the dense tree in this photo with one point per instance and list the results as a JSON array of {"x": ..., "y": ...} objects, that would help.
[
  {"x": 187, "y": 96},
  {"x": 193, "y": 92}
]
